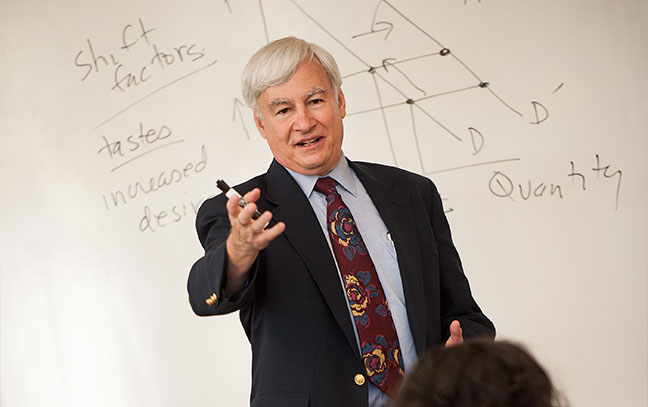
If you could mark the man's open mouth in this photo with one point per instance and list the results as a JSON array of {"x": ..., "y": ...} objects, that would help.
[{"x": 310, "y": 142}]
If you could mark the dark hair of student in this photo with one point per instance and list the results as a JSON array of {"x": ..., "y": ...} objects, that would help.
[{"x": 478, "y": 373}]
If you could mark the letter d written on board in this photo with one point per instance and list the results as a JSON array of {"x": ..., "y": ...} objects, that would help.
[
  {"x": 541, "y": 112},
  {"x": 200, "y": 165},
  {"x": 145, "y": 222}
]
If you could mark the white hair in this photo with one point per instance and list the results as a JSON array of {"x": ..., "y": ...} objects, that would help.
[{"x": 276, "y": 63}]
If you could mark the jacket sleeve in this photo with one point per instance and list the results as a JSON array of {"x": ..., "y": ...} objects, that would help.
[
  {"x": 457, "y": 302},
  {"x": 208, "y": 275}
]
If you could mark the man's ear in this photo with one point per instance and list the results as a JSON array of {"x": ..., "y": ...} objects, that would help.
[
  {"x": 259, "y": 124},
  {"x": 342, "y": 103}
]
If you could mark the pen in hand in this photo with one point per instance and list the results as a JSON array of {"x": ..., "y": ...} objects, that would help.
[{"x": 222, "y": 185}]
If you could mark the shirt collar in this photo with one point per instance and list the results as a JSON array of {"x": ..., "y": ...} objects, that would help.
[{"x": 341, "y": 174}]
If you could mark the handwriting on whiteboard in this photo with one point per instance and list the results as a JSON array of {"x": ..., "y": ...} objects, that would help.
[
  {"x": 502, "y": 185},
  {"x": 125, "y": 72}
]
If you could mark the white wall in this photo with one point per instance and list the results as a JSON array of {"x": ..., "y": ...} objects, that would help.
[{"x": 94, "y": 309}]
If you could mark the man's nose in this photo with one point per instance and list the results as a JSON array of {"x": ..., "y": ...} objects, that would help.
[{"x": 304, "y": 120}]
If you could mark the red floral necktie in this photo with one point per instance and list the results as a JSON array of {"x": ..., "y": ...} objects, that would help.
[{"x": 378, "y": 338}]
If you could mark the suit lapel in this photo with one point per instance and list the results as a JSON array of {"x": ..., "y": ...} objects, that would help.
[
  {"x": 303, "y": 231},
  {"x": 395, "y": 209}
]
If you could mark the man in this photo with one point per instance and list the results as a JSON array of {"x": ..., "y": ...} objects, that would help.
[{"x": 306, "y": 304}]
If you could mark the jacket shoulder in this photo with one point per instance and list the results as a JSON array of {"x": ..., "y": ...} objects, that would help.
[{"x": 387, "y": 172}]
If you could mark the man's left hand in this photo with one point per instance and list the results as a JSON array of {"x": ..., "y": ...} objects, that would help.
[{"x": 456, "y": 334}]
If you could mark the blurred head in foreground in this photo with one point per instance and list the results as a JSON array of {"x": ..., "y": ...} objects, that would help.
[{"x": 478, "y": 373}]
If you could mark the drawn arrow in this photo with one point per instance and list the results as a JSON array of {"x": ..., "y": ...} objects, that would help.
[
  {"x": 387, "y": 62},
  {"x": 374, "y": 30}
]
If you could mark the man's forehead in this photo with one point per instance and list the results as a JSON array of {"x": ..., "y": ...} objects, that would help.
[{"x": 309, "y": 78}]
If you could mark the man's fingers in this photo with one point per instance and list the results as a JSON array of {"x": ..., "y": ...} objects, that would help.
[
  {"x": 242, "y": 215},
  {"x": 233, "y": 207},
  {"x": 261, "y": 240},
  {"x": 455, "y": 329},
  {"x": 456, "y": 334},
  {"x": 253, "y": 232},
  {"x": 262, "y": 222},
  {"x": 245, "y": 216},
  {"x": 252, "y": 196},
  {"x": 271, "y": 233},
  {"x": 248, "y": 236}
]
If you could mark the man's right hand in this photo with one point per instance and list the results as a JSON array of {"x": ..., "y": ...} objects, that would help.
[{"x": 247, "y": 237}]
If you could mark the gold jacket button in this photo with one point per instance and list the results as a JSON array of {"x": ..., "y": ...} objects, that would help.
[
  {"x": 212, "y": 300},
  {"x": 359, "y": 379}
]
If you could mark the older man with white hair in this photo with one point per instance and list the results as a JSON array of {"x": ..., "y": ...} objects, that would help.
[{"x": 350, "y": 271}]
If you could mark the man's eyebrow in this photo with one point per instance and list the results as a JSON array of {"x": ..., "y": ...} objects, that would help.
[
  {"x": 277, "y": 102},
  {"x": 282, "y": 102},
  {"x": 315, "y": 91}
]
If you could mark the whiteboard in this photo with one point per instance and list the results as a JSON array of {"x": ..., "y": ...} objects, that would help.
[{"x": 118, "y": 117}]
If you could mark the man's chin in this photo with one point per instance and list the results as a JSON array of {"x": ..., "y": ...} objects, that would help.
[{"x": 312, "y": 168}]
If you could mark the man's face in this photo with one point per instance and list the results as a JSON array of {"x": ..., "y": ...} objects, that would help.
[{"x": 302, "y": 121}]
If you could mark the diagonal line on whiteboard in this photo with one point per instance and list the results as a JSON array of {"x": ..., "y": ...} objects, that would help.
[
  {"x": 471, "y": 165},
  {"x": 330, "y": 35}
]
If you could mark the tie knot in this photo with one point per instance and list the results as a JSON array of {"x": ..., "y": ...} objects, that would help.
[{"x": 325, "y": 186}]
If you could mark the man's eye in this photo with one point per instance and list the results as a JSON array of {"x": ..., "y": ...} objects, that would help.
[
  {"x": 282, "y": 111},
  {"x": 316, "y": 101}
]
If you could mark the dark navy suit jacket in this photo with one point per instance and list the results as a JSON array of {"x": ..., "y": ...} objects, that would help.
[{"x": 293, "y": 309}]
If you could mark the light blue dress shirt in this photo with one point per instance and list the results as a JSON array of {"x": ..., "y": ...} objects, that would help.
[{"x": 381, "y": 249}]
